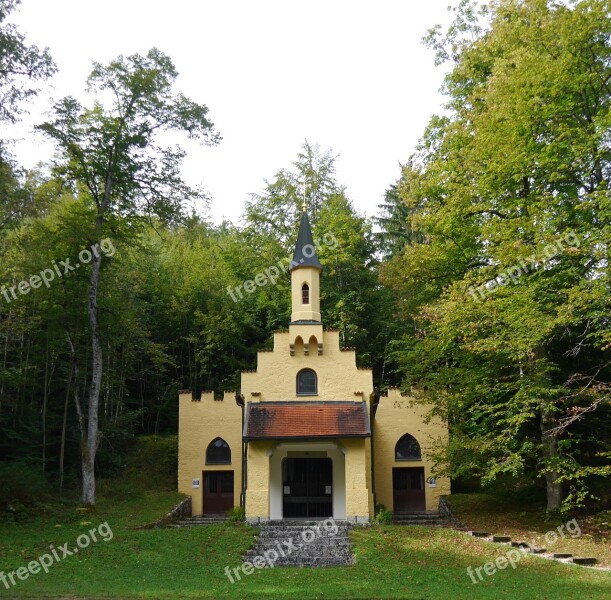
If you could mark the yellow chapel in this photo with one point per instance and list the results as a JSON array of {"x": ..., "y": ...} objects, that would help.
[{"x": 307, "y": 435}]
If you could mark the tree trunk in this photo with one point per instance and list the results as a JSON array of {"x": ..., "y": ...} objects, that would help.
[
  {"x": 64, "y": 424},
  {"x": 90, "y": 442},
  {"x": 45, "y": 398},
  {"x": 550, "y": 452}
]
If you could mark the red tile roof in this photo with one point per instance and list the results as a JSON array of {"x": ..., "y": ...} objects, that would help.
[{"x": 283, "y": 420}]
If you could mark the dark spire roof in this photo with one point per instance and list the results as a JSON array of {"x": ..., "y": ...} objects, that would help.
[{"x": 305, "y": 251}]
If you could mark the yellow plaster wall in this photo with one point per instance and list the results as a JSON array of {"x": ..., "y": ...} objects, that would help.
[
  {"x": 358, "y": 494},
  {"x": 199, "y": 423},
  {"x": 258, "y": 484},
  {"x": 338, "y": 375},
  {"x": 338, "y": 380},
  {"x": 311, "y": 311},
  {"x": 396, "y": 416}
]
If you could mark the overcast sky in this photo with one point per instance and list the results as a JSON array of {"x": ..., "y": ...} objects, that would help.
[{"x": 349, "y": 75}]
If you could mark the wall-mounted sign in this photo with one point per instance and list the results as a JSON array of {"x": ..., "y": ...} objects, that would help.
[
  {"x": 432, "y": 482},
  {"x": 327, "y": 489},
  {"x": 196, "y": 482},
  {"x": 287, "y": 489}
]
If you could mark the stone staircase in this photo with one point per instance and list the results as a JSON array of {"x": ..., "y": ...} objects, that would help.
[
  {"x": 200, "y": 520},
  {"x": 424, "y": 519},
  {"x": 301, "y": 543}
]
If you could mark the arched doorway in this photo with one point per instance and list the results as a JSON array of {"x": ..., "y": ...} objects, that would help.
[{"x": 408, "y": 489}]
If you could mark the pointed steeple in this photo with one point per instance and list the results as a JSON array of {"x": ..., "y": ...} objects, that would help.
[
  {"x": 305, "y": 251},
  {"x": 305, "y": 276}
]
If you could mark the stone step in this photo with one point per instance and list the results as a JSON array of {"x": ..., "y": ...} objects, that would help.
[
  {"x": 203, "y": 520},
  {"x": 288, "y": 541},
  {"x": 584, "y": 561},
  {"x": 561, "y": 555},
  {"x": 479, "y": 534},
  {"x": 520, "y": 544},
  {"x": 338, "y": 526},
  {"x": 421, "y": 522},
  {"x": 292, "y": 531},
  {"x": 501, "y": 539},
  {"x": 312, "y": 543},
  {"x": 298, "y": 546},
  {"x": 315, "y": 561},
  {"x": 538, "y": 550},
  {"x": 431, "y": 518},
  {"x": 194, "y": 521},
  {"x": 306, "y": 552},
  {"x": 296, "y": 528}
]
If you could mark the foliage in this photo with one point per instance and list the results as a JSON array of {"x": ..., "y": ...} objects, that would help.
[
  {"x": 112, "y": 150},
  {"x": 237, "y": 514},
  {"x": 21, "y": 66},
  {"x": 509, "y": 281},
  {"x": 396, "y": 219},
  {"x": 21, "y": 485},
  {"x": 111, "y": 153},
  {"x": 383, "y": 515}
]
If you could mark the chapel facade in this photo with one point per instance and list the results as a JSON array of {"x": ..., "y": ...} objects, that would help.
[{"x": 307, "y": 435}]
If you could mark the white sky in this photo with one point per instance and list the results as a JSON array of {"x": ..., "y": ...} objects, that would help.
[{"x": 349, "y": 75}]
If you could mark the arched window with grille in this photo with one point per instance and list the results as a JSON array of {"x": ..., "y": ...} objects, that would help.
[
  {"x": 307, "y": 383},
  {"x": 218, "y": 452},
  {"x": 408, "y": 448},
  {"x": 305, "y": 294}
]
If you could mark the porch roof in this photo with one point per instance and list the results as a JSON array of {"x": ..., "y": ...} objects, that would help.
[{"x": 305, "y": 420}]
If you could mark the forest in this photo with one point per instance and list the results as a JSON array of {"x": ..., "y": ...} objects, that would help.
[{"x": 483, "y": 284}]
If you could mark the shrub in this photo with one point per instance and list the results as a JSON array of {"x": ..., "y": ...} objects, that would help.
[
  {"x": 21, "y": 484},
  {"x": 236, "y": 514},
  {"x": 153, "y": 462},
  {"x": 383, "y": 515}
]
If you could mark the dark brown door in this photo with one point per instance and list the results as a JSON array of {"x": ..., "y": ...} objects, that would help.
[
  {"x": 408, "y": 489},
  {"x": 307, "y": 487},
  {"x": 218, "y": 492}
]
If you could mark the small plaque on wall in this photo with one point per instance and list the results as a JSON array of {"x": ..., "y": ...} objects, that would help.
[
  {"x": 196, "y": 482},
  {"x": 432, "y": 482},
  {"x": 287, "y": 489},
  {"x": 327, "y": 489}
]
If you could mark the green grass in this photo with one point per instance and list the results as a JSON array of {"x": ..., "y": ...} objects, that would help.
[
  {"x": 528, "y": 521},
  {"x": 392, "y": 562}
]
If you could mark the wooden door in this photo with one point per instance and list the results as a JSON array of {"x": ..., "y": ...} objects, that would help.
[
  {"x": 218, "y": 492},
  {"x": 307, "y": 485},
  {"x": 408, "y": 489}
]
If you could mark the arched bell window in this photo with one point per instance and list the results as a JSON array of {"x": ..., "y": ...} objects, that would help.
[
  {"x": 218, "y": 452},
  {"x": 305, "y": 294},
  {"x": 307, "y": 383},
  {"x": 408, "y": 448}
]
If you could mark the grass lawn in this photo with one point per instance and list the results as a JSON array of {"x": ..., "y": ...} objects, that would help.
[
  {"x": 525, "y": 521},
  {"x": 392, "y": 562}
]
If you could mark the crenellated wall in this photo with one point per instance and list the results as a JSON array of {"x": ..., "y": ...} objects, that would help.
[
  {"x": 200, "y": 422},
  {"x": 395, "y": 416},
  {"x": 338, "y": 376}
]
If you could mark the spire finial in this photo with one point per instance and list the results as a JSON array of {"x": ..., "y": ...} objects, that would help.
[{"x": 304, "y": 206}]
